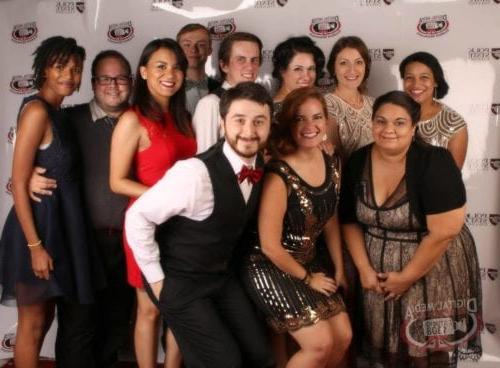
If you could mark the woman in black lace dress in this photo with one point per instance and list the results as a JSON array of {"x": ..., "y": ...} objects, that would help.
[
  {"x": 402, "y": 209},
  {"x": 298, "y": 202}
]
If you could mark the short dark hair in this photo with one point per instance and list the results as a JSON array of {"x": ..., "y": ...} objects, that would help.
[
  {"x": 226, "y": 47},
  {"x": 109, "y": 54},
  {"x": 281, "y": 140},
  {"x": 245, "y": 91},
  {"x": 191, "y": 27},
  {"x": 142, "y": 96},
  {"x": 53, "y": 50},
  {"x": 432, "y": 63},
  {"x": 400, "y": 99},
  {"x": 353, "y": 42},
  {"x": 286, "y": 50}
]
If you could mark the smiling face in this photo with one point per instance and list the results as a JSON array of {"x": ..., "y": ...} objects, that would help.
[
  {"x": 392, "y": 129},
  {"x": 419, "y": 82},
  {"x": 62, "y": 80},
  {"x": 163, "y": 75},
  {"x": 350, "y": 68},
  {"x": 196, "y": 45},
  {"x": 111, "y": 85},
  {"x": 243, "y": 64},
  {"x": 300, "y": 72},
  {"x": 310, "y": 125},
  {"x": 246, "y": 127}
]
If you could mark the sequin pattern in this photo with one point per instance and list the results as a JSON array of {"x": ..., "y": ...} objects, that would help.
[
  {"x": 287, "y": 302},
  {"x": 440, "y": 129}
]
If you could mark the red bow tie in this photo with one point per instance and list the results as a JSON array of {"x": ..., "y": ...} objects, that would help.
[{"x": 252, "y": 175}]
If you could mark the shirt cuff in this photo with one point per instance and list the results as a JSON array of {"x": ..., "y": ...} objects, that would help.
[{"x": 153, "y": 272}]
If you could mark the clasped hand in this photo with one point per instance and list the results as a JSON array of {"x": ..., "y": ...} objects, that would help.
[{"x": 391, "y": 284}]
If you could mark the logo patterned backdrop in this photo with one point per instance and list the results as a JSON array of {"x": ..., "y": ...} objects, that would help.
[{"x": 463, "y": 34}]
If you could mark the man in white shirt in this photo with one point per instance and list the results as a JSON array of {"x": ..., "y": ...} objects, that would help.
[
  {"x": 194, "y": 39},
  {"x": 239, "y": 61},
  {"x": 204, "y": 206}
]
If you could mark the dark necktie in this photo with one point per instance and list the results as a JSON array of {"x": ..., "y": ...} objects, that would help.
[
  {"x": 111, "y": 121},
  {"x": 252, "y": 175}
]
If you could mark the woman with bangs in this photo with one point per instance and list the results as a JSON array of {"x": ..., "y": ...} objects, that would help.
[
  {"x": 46, "y": 254},
  {"x": 147, "y": 140},
  {"x": 288, "y": 283}
]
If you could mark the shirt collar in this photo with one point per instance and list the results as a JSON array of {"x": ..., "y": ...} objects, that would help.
[
  {"x": 202, "y": 83},
  {"x": 96, "y": 111},
  {"x": 226, "y": 85},
  {"x": 234, "y": 159}
]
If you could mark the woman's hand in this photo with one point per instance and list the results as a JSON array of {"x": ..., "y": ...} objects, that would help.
[
  {"x": 369, "y": 280},
  {"x": 322, "y": 283},
  {"x": 393, "y": 284},
  {"x": 41, "y": 262}
]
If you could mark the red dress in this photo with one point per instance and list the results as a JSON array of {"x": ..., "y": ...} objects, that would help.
[{"x": 168, "y": 145}]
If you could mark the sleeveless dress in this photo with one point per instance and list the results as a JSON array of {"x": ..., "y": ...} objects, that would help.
[
  {"x": 355, "y": 125},
  {"x": 288, "y": 303},
  {"x": 61, "y": 225},
  {"x": 168, "y": 145},
  {"x": 441, "y": 312},
  {"x": 438, "y": 130}
]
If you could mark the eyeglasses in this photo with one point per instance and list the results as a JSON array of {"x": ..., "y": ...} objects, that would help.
[{"x": 104, "y": 80}]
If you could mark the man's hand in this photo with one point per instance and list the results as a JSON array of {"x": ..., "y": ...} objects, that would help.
[{"x": 40, "y": 185}]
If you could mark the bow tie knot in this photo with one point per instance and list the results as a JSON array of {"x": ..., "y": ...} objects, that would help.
[{"x": 252, "y": 175}]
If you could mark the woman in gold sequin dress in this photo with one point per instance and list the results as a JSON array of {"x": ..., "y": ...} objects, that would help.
[
  {"x": 349, "y": 108},
  {"x": 299, "y": 201}
]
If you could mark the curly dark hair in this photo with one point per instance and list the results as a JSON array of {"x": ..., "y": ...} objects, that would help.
[
  {"x": 286, "y": 50},
  {"x": 54, "y": 50}
]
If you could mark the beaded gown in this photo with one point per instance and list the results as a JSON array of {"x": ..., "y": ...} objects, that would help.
[{"x": 288, "y": 303}]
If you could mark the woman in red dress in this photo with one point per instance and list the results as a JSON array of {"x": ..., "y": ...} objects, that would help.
[{"x": 148, "y": 139}]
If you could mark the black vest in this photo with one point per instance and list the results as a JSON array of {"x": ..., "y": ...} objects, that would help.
[{"x": 208, "y": 246}]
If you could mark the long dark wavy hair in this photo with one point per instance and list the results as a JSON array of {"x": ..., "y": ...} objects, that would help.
[{"x": 143, "y": 99}]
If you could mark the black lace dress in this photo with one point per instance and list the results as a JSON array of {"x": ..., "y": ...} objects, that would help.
[
  {"x": 288, "y": 303},
  {"x": 441, "y": 312}
]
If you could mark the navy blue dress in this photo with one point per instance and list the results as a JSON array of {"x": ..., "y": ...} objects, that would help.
[{"x": 61, "y": 225}]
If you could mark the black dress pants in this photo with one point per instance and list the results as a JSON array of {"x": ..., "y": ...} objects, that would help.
[{"x": 214, "y": 322}]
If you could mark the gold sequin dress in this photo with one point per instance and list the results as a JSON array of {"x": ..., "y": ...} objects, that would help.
[
  {"x": 438, "y": 130},
  {"x": 287, "y": 302}
]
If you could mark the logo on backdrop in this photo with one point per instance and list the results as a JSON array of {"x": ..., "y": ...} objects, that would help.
[
  {"x": 267, "y": 56},
  {"x": 381, "y": 54},
  {"x": 221, "y": 28},
  {"x": 120, "y": 32},
  {"x": 22, "y": 84},
  {"x": 11, "y": 134},
  {"x": 70, "y": 7},
  {"x": 483, "y": 53},
  {"x": 482, "y": 164},
  {"x": 8, "y": 342},
  {"x": 433, "y": 26},
  {"x": 22, "y": 33},
  {"x": 495, "y": 108},
  {"x": 158, "y": 4},
  {"x": 8, "y": 187},
  {"x": 495, "y": 163},
  {"x": 265, "y": 4},
  {"x": 495, "y": 52},
  {"x": 325, "y": 27},
  {"x": 490, "y": 273},
  {"x": 375, "y": 2},
  {"x": 483, "y": 2},
  {"x": 482, "y": 219},
  {"x": 325, "y": 82}
]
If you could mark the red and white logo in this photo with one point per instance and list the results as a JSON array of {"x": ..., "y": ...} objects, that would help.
[
  {"x": 120, "y": 32},
  {"x": 22, "y": 33},
  {"x": 11, "y": 135},
  {"x": 22, "y": 84},
  {"x": 325, "y": 27},
  {"x": 433, "y": 26},
  {"x": 219, "y": 29},
  {"x": 8, "y": 342},
  {"x": 8, "y": 190}
]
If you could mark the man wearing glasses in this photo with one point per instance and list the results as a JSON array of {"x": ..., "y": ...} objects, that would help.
[{"x": 90, "y": 335}]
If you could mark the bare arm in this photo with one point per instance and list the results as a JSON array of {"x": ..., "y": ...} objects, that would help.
[
  {"x": 125, "y": 142},
  {"x": 353, "y": 235},
  {"x": 458, "y": 146},
  {"x": 442, "y": 229},
  {"x": 271, "y": 214},
  {"x": 33, "y": 129}
]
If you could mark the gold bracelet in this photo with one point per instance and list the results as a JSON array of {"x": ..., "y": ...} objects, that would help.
[{"x": 35, "y": 244}]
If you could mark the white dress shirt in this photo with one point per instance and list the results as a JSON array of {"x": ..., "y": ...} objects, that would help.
[
  {"x": 207, "y": 121},
  {"x": 185, "y": 190}
]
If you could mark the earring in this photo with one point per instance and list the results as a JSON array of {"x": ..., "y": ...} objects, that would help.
[{"x": 435, "y": 93}]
